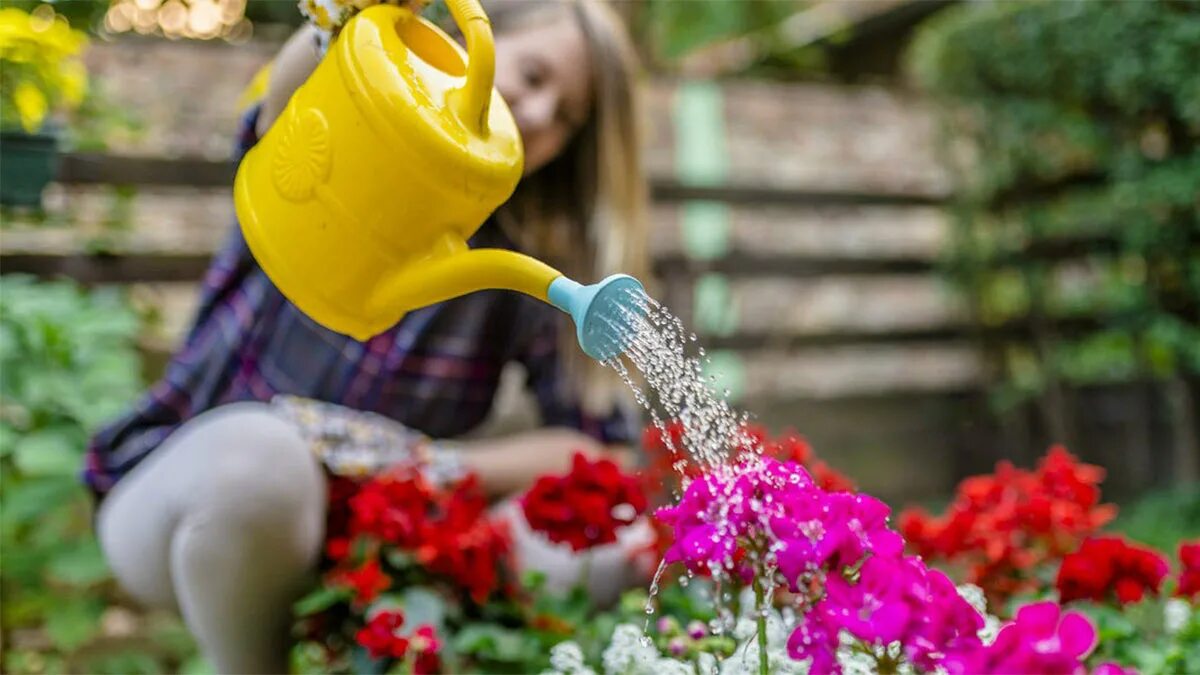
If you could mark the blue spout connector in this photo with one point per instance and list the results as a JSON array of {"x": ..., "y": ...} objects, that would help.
[{"x": 602, "y": 327}]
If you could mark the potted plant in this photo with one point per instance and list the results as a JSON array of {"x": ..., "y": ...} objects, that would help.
[{"x": 40, "y": 73}]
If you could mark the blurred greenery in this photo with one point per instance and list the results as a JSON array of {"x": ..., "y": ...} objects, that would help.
[
  {"x": 1162, "y": 519},
  {"x": 67, "y": 364},
  {"x": 1079, "y": 166}
]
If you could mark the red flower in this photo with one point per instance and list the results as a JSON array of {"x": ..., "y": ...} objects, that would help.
[
  {"x": 1110, "y": 566},
  {"x": 1189, "y": 576},
  {"x": 585, "y": 507},
  {"x": 393, "y": 507},
  {"x": 367, "y": 581},
  {"x": 337, "y": 518},
  {"x": 464, "y": 544},
  {"x": 1189, "y": 572},
  {"x": 337, "y": 549},
  {"x": 381, "y": 636},
  {"x": 426, "y": 647},
  {"x": 1002, "y": 527}
]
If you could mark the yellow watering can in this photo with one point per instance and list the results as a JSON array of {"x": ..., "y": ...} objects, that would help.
[{"x": 359, "y": 200}]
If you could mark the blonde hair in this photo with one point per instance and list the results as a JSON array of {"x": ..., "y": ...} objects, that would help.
[{"x": 594, "y": 192}]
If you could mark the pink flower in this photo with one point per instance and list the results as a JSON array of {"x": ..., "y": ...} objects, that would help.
[
  {"x": 890, "y": 600},
  {"x": 815, "y": 639},
  {"x": 1042, "y": 639},
  {"x": 731, "y": 511}
]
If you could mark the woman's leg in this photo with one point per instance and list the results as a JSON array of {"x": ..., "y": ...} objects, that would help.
[{"x": 224, "y": 523}]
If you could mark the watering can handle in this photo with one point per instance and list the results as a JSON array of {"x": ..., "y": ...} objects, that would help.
[{"x": 476, "y": 95}]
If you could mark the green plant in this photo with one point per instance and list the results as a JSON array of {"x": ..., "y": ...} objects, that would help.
[
  {"x": 67, "y": 363},
  {"x": 1074, "y": 129},
  {"x": 1162, "y": 519}
]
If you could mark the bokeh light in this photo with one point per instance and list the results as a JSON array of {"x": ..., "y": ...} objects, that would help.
[{"x": 193, "y": 19}]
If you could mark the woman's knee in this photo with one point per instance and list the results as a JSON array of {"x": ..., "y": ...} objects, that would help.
[{"x": 259, "y": 471}]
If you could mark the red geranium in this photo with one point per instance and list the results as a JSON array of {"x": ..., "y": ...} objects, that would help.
[
  {"x": 445, "y": 530},
  {"x": 382, "y": 639},
  {"x": 1002, "y": 526},
  {"x": 1107, "y": 567},
  {"x": 1189, "y": 576},
  {"x": 425, "y": 648},
  {"x": 367, "y": 581},
  {"x": 381, "y": 636},
  {"x": 587, "y": 506},
  {"x": 394, "y": 507},
  {"x": 465, "y": 545}
]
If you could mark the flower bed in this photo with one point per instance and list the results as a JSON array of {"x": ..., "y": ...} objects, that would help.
[{"x": 771, "y": 563}]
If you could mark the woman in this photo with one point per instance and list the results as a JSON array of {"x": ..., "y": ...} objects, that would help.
[{"x": 212, "y": 501}]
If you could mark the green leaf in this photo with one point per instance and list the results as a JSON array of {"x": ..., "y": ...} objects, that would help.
[
  {"x": 422, "y": 606},
  {"x": 83, "y": 565},
  {"x": 319, "y": 600},
  {"x": 127, "y": 662},
  {"x": 197, "y": 665},
  {"x": 27, "y": 500},
  {"x": 496, "y": 643},
  {"x": 73, "y": 622},
  {"x": 9, "y": 436},
  {"x": 57, "y": 451}
]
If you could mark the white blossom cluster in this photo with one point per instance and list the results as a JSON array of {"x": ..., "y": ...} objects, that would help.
[{"x": 631, "y": 653}]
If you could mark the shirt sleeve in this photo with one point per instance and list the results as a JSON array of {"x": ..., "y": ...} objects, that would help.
[{"x": 558, "y": 401}]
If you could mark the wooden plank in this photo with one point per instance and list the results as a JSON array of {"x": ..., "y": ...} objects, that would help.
[
  {"x": 98, "y": 168},
  {"x": 102, "y": 169},
  {"x": 109, "y": 269},
  {"x": 744, "y": 265},
  {"x": 950, "y": 332}
]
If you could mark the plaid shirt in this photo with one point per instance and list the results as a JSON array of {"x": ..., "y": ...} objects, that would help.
[{"x": 436, "y": 371}]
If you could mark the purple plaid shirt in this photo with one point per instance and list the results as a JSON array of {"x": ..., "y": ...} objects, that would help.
[{"x": 436, "y": 371}]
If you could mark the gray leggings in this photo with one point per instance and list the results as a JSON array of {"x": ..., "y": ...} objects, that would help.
[{"x": 224, "y": 524}]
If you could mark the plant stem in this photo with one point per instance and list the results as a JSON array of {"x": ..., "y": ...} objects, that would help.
[
  {"x": 585, "y": 570},
  {"x": 760, "y": 611}
]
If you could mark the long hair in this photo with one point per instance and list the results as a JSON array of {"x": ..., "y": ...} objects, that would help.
[{"x": 584, "y": 212}]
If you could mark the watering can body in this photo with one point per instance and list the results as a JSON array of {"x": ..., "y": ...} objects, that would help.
[{"x": 358, "y": 201}]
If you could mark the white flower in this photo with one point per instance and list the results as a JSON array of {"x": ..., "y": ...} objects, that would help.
[
  {"x": 627, "y": 654},
  {"x": 1175, "y": 615},
  {"x": 566, "y": 658},
  {"x": 974, "y": 597}
]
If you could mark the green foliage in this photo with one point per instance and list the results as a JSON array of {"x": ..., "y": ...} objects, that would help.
[
  {"x": 676, "y": 28},
  {"x": 67, "y": 363},
  {"x": 1138, "y": 636},
  {"x": 1163, "y": 519},
  {"x": 505, "y": 635},
  {"x": 1074, "y": 128}
]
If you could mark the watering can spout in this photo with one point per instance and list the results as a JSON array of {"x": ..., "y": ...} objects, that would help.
[{"x": 605, "y": 313}]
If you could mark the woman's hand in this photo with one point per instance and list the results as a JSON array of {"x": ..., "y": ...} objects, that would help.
[
  {"x": 295, "y": 62},
  {"x": 297, "y": 59}
]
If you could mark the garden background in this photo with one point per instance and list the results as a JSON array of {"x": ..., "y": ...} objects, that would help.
[{"x": 928, "y": 235}]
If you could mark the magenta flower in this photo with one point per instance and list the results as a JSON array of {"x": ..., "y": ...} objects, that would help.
[
  {"x": 890, "y": 600},
  {"x": 816, "y": 640},
  {"x": 731, "y": 511},
  {"x": 1041, "y": 639}
]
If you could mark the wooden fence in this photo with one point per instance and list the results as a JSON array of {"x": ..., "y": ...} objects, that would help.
[{"x": 797, "y": 227}]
